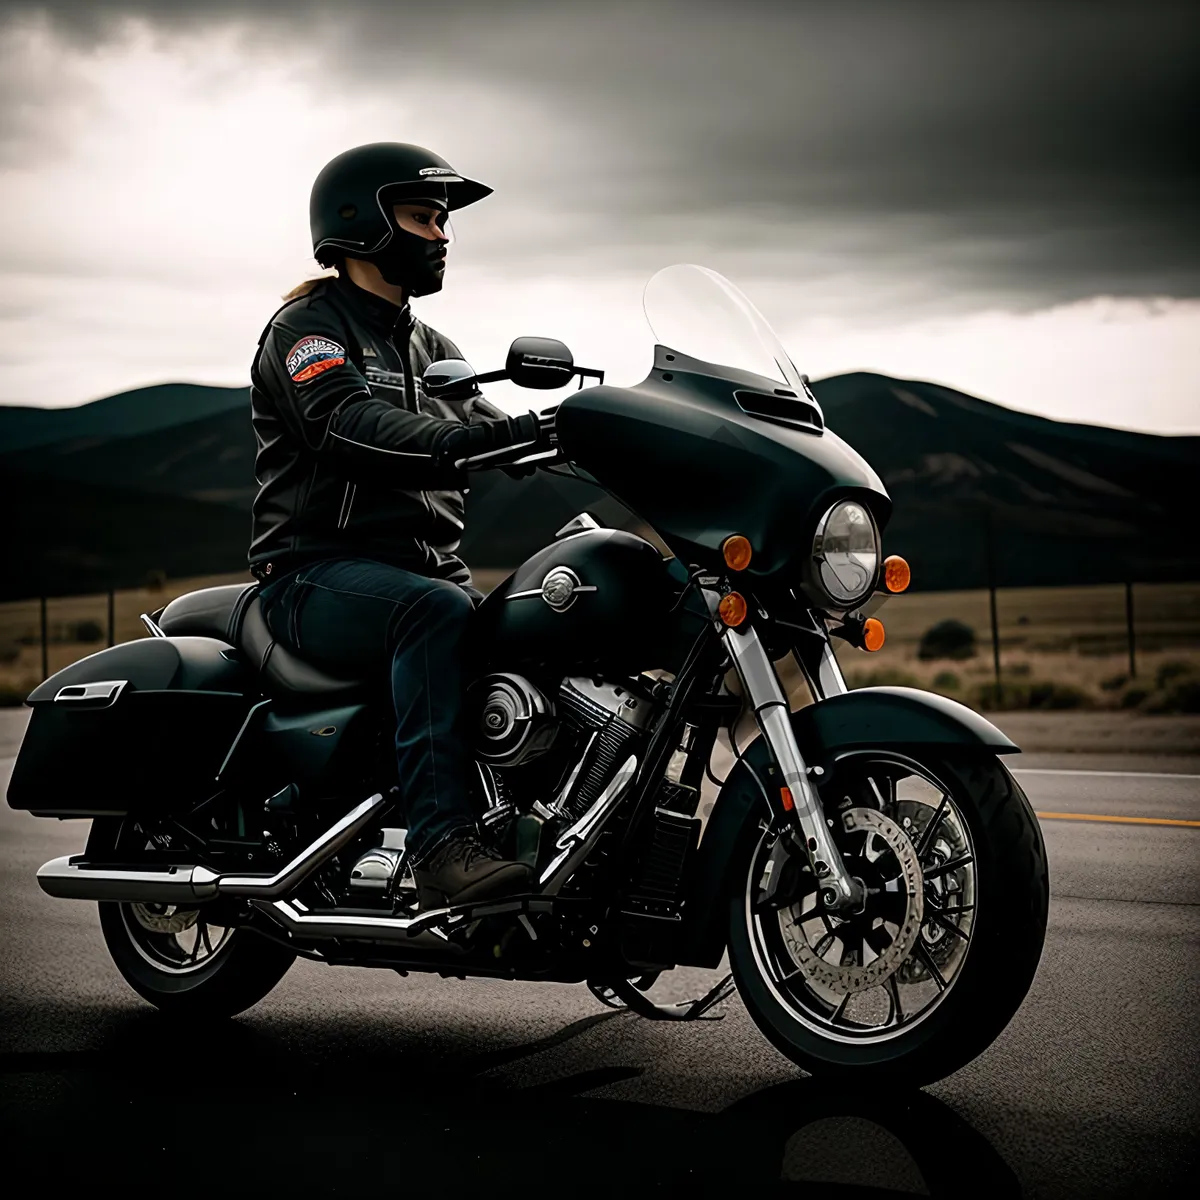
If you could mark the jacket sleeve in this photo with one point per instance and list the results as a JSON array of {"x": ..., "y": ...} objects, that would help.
[{"x": 327, "y": 404}]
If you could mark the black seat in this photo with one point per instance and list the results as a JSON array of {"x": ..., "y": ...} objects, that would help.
[
  {"x": 233, "y": 614},
  {"x": 214, "y": 612}
]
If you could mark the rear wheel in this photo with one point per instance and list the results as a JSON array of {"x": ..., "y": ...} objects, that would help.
[
  {"x": 945, "y": 948},
  {"x": 182, "y": 960}
]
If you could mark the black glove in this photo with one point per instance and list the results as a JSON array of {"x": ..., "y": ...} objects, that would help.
[
  {"x": 497, "y": 433},
  {"x": 529, "y": 427}
]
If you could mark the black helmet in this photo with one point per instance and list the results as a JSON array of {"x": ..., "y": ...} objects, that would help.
[{"x": 350, "y": 210}]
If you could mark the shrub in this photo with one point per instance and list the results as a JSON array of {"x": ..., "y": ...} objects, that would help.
[
  {"x": 1180, "y": 696},
  {"x": 946, "y": 681},
  {"x": 1114, "y": 683},
  {"x": 1041, "y": 695},
  {"x": 1175, "y": 668},
  {"x": 88, "y": 631},
  {"x": 13, "y": 694},
  {"x": 882, "y": 677},
  {"x": 1058, "y": 696},
  {"x": 1134, "y": 696},
  {"x": 1021, "y": 670},
  {"x": 947, "y": 639},
  {"x": 9, "y": 652}
]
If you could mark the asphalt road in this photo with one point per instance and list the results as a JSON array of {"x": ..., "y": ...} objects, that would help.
[{"x": 363, "y": 1083}]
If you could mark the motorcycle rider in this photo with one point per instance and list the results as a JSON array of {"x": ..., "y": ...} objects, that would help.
[{"x": 360, "y": 506}]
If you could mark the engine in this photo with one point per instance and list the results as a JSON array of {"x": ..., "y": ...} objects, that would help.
[{"x": 581, "y": 737}]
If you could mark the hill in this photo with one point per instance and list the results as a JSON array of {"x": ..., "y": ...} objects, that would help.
[
  {"x": 162, "y": 479},
  {"x": 123, "y": 415}
]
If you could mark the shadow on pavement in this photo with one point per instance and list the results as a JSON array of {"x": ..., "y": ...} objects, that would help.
[{"x": 234, "y": 1110}]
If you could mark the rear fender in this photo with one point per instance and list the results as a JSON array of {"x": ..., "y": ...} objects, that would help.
[{"x": 905, "y": 720}]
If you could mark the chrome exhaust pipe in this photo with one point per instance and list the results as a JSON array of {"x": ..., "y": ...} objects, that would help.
[
  {"x": 418, "y": 933},
  {"x": 70, "y": 879}
]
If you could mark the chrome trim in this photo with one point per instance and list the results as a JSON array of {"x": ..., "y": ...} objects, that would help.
[
  {"x": 819, "y": 665},
  {"x": 301, "y": 923},
  {"x": 426, "y": 931},
  {"x": 575, "y": 843},
  {"x": 150, "y": 625},
  {"x": 81, "y": 693},
  {"x": 761, "y": 687},
  {"x": 69, "y": 880},
  {"x": 556, "y": 806},
  {"x": 347, "y": 505},
  {"x": 584, "y": 522},
  {"x": 572, "y": 578},
  {"x": 818, "y": 554}
]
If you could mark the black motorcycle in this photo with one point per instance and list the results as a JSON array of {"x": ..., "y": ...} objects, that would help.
[{"x": 874, "y": 873}]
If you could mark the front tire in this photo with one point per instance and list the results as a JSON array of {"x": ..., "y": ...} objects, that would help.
[
  {"x": 179, "y": 959},
  {"x": 964, "y": 942}
]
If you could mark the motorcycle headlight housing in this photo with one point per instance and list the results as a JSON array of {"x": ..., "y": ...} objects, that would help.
[{"x": 846, "y": 554}]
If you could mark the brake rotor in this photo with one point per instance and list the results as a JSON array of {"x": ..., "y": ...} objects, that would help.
[
  {"x": 164, "y": 922},
  {"x": 882, "y": 855}
]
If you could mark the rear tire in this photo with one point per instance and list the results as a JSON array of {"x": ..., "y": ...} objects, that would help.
[
  {"x": 217, "y": 976},
  {"x": 1007, "y": 931}
]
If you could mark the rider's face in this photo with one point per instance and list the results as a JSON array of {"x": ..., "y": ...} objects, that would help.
[{"x": 422, "y": 220}]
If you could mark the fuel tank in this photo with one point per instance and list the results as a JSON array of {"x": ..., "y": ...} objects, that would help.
[{"x": 596, "y": 598}]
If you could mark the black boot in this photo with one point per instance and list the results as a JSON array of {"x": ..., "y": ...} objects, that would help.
[{"x": 462, "y": 871}]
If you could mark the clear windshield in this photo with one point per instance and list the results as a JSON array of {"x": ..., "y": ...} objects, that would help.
[{"x": 701, "y": 314}]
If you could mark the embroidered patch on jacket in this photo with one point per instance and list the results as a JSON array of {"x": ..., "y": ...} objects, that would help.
[{"x": 312, "y": 355}]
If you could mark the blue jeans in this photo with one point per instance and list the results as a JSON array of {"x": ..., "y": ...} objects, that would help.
[{"x": 350, "y": 617}]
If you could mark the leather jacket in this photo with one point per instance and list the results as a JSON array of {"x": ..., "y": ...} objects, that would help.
[{"x": 347, "y": 462}]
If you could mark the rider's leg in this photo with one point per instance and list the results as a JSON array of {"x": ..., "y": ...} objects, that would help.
[{"x": 348, "y": 615}]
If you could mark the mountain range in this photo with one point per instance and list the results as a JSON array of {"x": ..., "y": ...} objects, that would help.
[{"x": 161, "y": 479}]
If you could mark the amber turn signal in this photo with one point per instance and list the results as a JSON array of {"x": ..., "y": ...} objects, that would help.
[
  {"x": 872, "y": 634},
  {"x": 785, "y": 797},
  {"x": 732, "y": 609},
  {"x": 737, "y": 552},
  {"x": 896, "y": 573}
]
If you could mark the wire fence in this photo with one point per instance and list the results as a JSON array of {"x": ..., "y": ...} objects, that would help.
[{"x": 1134, "y": 645}]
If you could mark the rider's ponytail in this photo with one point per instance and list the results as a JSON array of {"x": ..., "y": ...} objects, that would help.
[{"x": 302, "y": 289}]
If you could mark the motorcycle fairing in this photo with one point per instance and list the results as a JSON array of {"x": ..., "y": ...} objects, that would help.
[
  {"x": 682, "y": 452},
  {"x": 880, "y": 718}
]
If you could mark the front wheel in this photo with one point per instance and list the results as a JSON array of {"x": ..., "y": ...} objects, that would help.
[
  {"x": 180, "y": 959},
  {"x": 944, "y": 950}
]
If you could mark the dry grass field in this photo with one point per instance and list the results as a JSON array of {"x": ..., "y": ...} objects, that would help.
[{"x": 1060, "y": 647}]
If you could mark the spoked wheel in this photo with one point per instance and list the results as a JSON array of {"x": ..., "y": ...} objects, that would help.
[
  {"x": 182, "y": 959},
  {"x": 944, "y": 948}
]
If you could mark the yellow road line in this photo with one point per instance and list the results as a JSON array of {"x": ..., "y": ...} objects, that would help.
[{"x": 1051, "y": 816}]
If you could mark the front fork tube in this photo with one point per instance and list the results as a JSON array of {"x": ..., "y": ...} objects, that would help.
[{"x": 761, "y": 686}]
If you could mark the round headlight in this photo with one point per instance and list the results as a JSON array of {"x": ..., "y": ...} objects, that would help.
[{"x": 846, "y": 553}]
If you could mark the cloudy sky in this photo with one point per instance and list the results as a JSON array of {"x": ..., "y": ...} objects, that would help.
[{"x": 994, "y": 196}]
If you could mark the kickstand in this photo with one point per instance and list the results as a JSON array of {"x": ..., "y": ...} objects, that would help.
[{"x": 623, "y": 994}]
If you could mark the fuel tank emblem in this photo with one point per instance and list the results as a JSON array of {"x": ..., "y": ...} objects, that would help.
[{"x": 559, "y": 588}]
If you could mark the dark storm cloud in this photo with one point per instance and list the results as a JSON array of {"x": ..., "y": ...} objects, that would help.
[{"x": 1038, "y": 151}]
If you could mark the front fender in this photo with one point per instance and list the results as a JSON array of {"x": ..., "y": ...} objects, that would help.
[{"x": 903, "y": 719}]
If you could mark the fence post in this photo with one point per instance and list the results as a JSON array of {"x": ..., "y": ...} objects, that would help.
[
  {"x": 45, "y": 639},
  {"x": 995, "y": 635},
  {"x": 112, "y": 617},
  {"x": 1129, "y": 627},
  {"x": 990, "y": 551}
]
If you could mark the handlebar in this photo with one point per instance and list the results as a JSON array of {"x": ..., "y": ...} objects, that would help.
[{"x": 519, "y": 455}]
